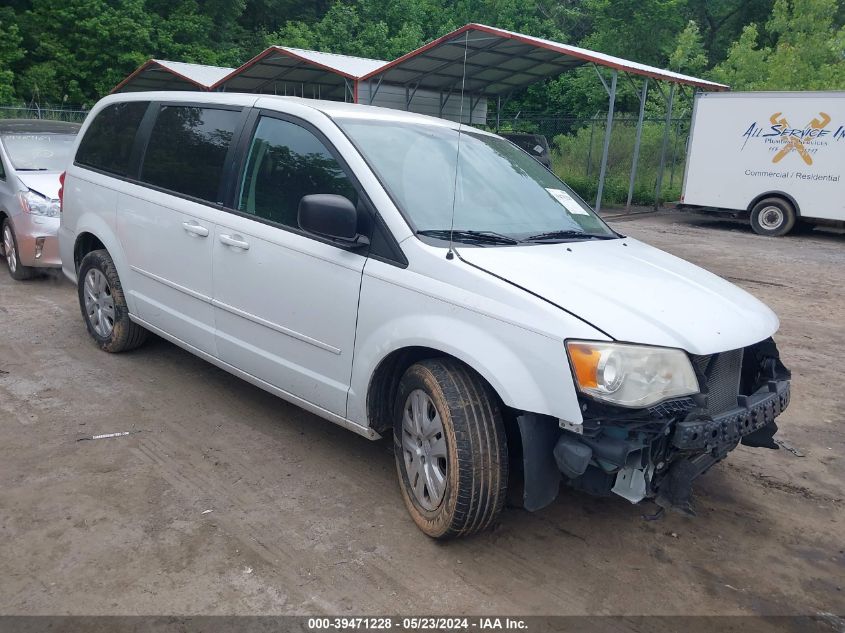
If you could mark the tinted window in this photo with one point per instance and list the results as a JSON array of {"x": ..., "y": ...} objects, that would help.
[
  {"x": 187, "y": 149},
  {"x": 285, "y": 163},
  {"x": 108, "y": 142}
]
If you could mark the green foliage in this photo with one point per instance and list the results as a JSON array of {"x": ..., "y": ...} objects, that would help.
[
  {"x": 79, "y": 49},
  {"x": 689, "y": 56},
  {"x": 643, "y": 30},
  {"x": 807, "y": 53},
  {"x": 75, "y": 51},
  {"x": 576, "y": 160},
  {"x": 10, "y": 51}
]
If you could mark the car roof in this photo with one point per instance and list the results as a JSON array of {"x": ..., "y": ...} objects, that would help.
[
  {"x": 332, "y": 109},
  {"x": 37, "y": 126}
]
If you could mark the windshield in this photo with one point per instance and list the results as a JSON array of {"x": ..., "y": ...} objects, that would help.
[
  {"x": 39, "y": 152},
  {"x": 500, "y": 189}
]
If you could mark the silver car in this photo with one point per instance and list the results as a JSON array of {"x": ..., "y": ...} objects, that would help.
[{"x": 33, "y": 154}]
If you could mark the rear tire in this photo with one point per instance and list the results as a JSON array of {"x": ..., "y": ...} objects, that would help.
[
  {"x": 773, "y": 217},
  {"x": 104, "y": 307},
  {"x": 447, "y": 414},
  {"x": 18, "y": 271}
]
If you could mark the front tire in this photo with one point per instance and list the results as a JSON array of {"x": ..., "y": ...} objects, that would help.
[
  {"x": 104, "y": 307},
  {"x": 450, "y": 448},
  {"x": 18, "y": 271},
  {"x": 773, "y": 217}
]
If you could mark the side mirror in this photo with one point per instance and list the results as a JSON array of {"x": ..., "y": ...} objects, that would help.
[{"x": 331, "y": 216}]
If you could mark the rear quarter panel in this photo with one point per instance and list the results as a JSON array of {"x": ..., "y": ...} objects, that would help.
[{"x": 89, "y": 206}]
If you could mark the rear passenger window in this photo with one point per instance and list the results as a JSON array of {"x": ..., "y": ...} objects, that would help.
[
  {"x": 187, "y": 150},
  {"x": 285, "y": 163},
  {"x": 107, "y": 144}
]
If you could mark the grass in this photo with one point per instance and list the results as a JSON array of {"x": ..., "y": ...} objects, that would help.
[{"x": 570, "y": 154}]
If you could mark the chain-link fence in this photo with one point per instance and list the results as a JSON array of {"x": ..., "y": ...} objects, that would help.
[
  {"x": 577, "y": 145},
  {"x": 50, "y": 113}
]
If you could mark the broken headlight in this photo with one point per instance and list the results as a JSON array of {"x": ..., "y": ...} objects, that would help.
[{"x": 631, "y": 375}]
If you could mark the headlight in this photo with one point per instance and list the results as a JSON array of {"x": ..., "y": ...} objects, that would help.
[
  {"x": 36, "y": 204},
  {"x": 631, "y": 375}
]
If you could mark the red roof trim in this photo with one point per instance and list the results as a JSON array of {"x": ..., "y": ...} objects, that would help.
[
  {"x": 283, "y": 51},
  {"x": 145, "y": 66},
  {"x": 558, "y": 48}
]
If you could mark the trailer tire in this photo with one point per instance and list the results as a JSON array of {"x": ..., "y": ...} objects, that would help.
[{"x": 773, "y": 217}]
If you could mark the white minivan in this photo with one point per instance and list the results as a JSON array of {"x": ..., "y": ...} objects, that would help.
[{"x": 401, "y": 274}]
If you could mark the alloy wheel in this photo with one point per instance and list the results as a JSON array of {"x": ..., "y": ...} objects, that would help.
[
  {"x": 99, "y": 303},
  {"x": 9, "y": 249},
  {"x": 424, "y": 448}
]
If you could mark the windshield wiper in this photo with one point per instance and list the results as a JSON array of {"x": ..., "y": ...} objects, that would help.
[
  {"x": 32, "y": 169},
  {"x": 568, "y": 234},
  {"x": 479, "y": 237}
]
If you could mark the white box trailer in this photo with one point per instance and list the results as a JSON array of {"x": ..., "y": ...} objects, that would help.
[{"x": 777, "y": 156}]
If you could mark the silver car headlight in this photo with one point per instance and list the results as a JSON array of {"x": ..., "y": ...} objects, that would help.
[
  {"x": 631, "y": 375},
  {"x": 36, "y": 204}
]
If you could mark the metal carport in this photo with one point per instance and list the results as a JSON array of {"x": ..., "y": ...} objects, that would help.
[
  {"x": 161, "y": 74},
  {"x": 297, "y": 72},
  {"x": 484, "y": 61}
]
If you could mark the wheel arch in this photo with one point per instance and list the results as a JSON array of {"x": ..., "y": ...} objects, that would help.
[
  {"x": 94, "y": 232},
  {"x": 3, "y": 216},
  {"x": 85, "y": 243},
  {"x": 775, "y": 194},
  {"x": 384, "y": 382}
]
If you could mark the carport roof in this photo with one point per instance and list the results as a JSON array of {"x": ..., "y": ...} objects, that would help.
[
  {"x": 161, "y": 74},
  {"x": 499, "y": 62},
  {"x": 296, "y": 66}
]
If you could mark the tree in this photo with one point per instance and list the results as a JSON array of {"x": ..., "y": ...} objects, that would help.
[
  {"x": 10, "y": 52},
  {"x": 689, "y": 56},
  {"x": 80, "y": 49},
  {"x": 722, "y": 21},
  {"x": 641, "y": 30},
  {"x": 807, "y": 53},
  {"x": 747, "y": 66}
]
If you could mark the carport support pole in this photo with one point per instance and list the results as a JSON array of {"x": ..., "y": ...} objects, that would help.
[
  {"x": 498, "y": 112},
  {"x": 669, "y": 103},
  {"x": 607, "y": 131},
  {"x": 636, "y": 160}
]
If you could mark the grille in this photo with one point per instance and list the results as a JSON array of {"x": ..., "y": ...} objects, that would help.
[{"x": 722, "y": 373}]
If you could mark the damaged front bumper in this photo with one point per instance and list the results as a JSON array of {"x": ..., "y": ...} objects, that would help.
[{"x": 658, "y": 452}]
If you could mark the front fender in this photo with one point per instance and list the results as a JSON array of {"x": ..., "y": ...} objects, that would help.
[
  {"x": 506, "y": 372},
  {"x": 528, "y": 370}
]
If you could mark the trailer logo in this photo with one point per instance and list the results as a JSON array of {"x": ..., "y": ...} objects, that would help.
[{"x": 785, "y": 139}]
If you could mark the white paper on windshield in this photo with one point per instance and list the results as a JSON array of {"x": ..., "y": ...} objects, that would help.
[
  {"x": 570, "y": 203},
  {"x": 538, "y": 149}
]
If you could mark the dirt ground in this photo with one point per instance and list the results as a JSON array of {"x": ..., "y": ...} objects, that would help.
[{"x": 228, "y": 500}]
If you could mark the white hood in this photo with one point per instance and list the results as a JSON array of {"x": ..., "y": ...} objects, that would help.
[
  {"x": 44, "y": 182},
  {"x": 634, "y": 293}
]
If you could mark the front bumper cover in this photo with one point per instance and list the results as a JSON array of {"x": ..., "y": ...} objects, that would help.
[
  {"x": 28, "y": 230},
  {"x": 657, "y": 452}
]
